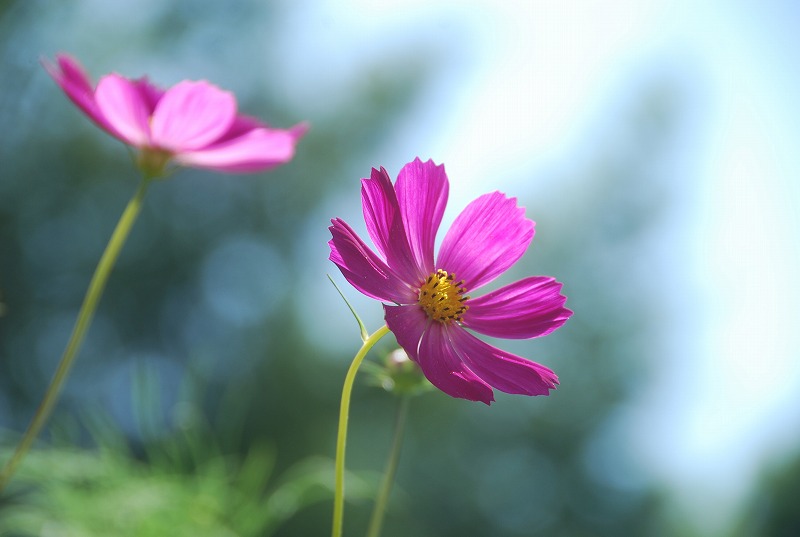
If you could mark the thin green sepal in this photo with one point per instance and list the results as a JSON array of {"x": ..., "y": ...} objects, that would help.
[{"x": 361, "y": 327}]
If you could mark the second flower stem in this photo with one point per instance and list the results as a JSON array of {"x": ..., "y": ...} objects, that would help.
[
  {"x": 93, "y": 293},
  {"x": 376, "y": 521},
  {"x": 341, "y": 438}
]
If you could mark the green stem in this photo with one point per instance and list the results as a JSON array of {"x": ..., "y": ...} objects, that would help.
[
  {"x": 93, "y": 294},
  {"x": 382, "y": 500},
  {"x": 341, "y": 438}
]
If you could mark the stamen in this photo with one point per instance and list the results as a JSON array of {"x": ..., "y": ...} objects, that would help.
[{"x": 442, "y": 299}]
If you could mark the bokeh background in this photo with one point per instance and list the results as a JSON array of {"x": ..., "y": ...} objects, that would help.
[{"x": 654, "y": 143}]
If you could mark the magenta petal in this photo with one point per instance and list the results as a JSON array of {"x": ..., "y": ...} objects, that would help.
[
  {"x": 256, "y": 150},
  {"x": 505, "y": 371},
  {"x": 70, "y": 75},
  {"x": 407, "y": 323},
  {"x": 442, "y": 366},
  {"x": 489, "y": 236},
  {"x": 241, "y": 125},
  {"x": 125, "y": 108},
  {"x": 150, "y": 93},
  {"x": 363, "y": 268},
  {"x": 192, "y": 115},
  {"x": 426, "y": 343},
  {"x": 77, "y": 85},
  {"x": 422, "y": 189},
  {"x": 528, "y": 308},
  {"x": 379, "y": 213},
  {"x": 385, "y": 225}
]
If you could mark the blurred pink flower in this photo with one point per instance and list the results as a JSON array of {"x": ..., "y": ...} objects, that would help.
[
  {"x": 192, "y": 124},
  {"x": 427, "y": 307}
]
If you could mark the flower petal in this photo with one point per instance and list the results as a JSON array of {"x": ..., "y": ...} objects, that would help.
[
  {"x": 385, "y": 226},
  {"x": 442, "y": 366},
  {"x": 255, "y": 150},
  {"x": 505, "y": 371},
  {"x": 125, "y": 107},
  {"x": 426, "y": 343},
  {"x": 151, "y": 93},
  {"x": 422, "y": 190},
  {"x": 376, "y": 204},
  {"x": 77, "y": 85},
  {"x": 407, "y": 323},
  {"x": 363, "y": 268},
  {"x": 192, "y": 115},
  {"x": 489, "y": 236},
  {"x": 243, "y": 124},
  {"x": 528, "y": 308}
]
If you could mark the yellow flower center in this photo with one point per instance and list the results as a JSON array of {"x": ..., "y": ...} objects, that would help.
[{"x": 442, "y": 297}]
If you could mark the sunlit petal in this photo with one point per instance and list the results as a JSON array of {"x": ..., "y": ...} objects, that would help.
[
  {"x": 257, "y": 150},
  {"x": 502, "y": 370},
  {"x": 446, "y": 370},
  {"x": 385, "y": 225},
  {"x": 528, "y": 308},
  {"x": 192, "y": 115},
  {"x": 422, "y": 189},
  {"x": 364, "y": 269},
  {"x": 489, "y": 236},
  {"x": 125, "y": 108}
]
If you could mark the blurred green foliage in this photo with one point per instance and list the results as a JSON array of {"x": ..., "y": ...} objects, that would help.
[
  {"x": 773, "y": 506},
  {"x": 186, "y": 487}
]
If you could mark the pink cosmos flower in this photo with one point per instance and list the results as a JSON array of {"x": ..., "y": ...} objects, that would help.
[
  {"x": 193, "y": 123},
  {"x": 426, "y": 302}
]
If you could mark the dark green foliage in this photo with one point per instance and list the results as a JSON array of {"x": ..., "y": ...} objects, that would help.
[{"x": 772, "y": 509}]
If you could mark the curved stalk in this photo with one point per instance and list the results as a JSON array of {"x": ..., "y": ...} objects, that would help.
[
  {"x": 93, "y": 293},
  {"x": 341, "y": 437}
]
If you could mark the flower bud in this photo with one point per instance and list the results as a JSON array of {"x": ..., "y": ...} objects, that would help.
[{"x": 398, "y": 374}]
